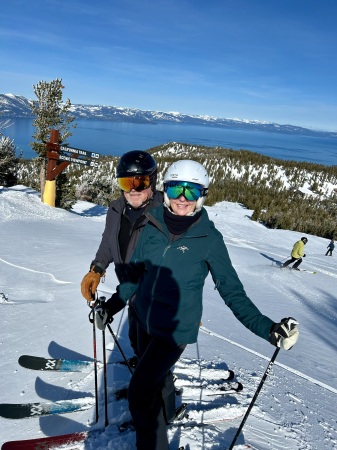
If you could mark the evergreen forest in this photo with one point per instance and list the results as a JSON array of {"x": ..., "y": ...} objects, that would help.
[{"x": 298, "y": 196}]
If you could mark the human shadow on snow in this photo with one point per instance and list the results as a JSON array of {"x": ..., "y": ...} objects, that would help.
[
  {"x": 64, "y": 424},
  {"x": 276, "y": 261},
  {"x": 51, "y": 392},
  {"x": 61, "y": 423},
  {"x": 56, "y": 350},
  {"x": 92, "y": 211}
]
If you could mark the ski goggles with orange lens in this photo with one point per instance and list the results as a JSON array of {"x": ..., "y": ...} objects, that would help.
[
  {"x": 191, "y": 191},
  {"x": 138, "y": 183}
]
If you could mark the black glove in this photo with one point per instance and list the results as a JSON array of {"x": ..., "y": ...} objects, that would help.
[
  {"x": 304, "y": 255},
  {"x": 105, "y": 310},
  {"x": 285, "y": 333}
]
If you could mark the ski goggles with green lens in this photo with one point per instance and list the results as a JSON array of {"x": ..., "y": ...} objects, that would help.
[{"x": 191, "y": 191}]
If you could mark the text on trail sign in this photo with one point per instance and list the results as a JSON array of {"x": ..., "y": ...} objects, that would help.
[
  {"x": 80, "y": 152},
  {"x": 84, "y": 162}
]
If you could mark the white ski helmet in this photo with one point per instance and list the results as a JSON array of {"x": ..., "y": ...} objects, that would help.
[{"x": 188, "y": 170}]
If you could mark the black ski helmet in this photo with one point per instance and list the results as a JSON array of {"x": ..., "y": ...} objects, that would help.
[
  {"x": 304, "y": 239},
  {"x": 137, "y": 162}
]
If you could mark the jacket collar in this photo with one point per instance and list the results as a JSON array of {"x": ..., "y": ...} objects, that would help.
[{"x": 200, "y": 227}]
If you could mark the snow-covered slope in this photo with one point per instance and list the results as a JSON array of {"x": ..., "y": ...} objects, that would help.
[{"x": 46, "y": 251}]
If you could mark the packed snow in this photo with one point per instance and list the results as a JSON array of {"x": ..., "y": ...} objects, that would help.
[{"x": 45, "y": 252}]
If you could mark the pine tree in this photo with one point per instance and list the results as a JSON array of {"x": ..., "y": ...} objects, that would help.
[
  {"x": 51, "y": 113},
  {"x": 8, "y": 162}
]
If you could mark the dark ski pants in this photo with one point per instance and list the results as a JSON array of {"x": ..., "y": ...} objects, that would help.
[
  {"x": 329, "y": 251},
  {"x": 287, "y": 263},
  {"x": 151, "y": 381}
]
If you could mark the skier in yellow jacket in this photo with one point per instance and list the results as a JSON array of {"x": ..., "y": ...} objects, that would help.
[{"x": 297, "y": 254}]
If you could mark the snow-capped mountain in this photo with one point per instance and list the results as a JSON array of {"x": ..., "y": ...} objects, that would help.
[{"x": 16, "y": 106}]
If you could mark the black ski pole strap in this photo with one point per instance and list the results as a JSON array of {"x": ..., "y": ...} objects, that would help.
[
  {"x": 91, "y": 315},
  {"x": 266, "y": 373},
  {"x": 92, "y": 305}
]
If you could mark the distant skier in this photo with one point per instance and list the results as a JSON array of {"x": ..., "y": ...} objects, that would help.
[
  {"x": 297, "y": 254},
  {"x": 330, "y": 248}
]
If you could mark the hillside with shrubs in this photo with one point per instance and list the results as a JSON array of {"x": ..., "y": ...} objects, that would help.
[{"x": 298, "y": 196}]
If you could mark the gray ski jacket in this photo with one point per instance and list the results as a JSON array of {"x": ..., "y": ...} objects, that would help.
[{"x": 108, "y": 250}]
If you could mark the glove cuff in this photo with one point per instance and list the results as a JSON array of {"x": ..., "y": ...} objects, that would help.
[
  {"x": 97, "y": 269},
  {"x": 274, "y": 338},
  {"x": 114, "y": 304}
]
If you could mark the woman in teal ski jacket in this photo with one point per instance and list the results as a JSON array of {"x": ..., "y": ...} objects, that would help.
[
  {"x": 171, "y": 277},
  {"x": 178, "y": 248}
]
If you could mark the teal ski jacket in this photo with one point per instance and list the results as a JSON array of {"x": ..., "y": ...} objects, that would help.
[{"x": 168, "y": 278}]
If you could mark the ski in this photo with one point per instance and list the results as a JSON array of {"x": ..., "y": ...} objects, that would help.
[
  {"x": 194, "y": 419},
  {"x": 202, "y": 418},
  {"x": 57, "y": 364},
  {"x": 49, "y": 442},
  {"x": 208, "y": 390},
  {"x": 240, "y": 446},
  {"x": 296, "y": 270},
  {"x": 79, "y": 365},
  {"x": 26, "y": 410},
  {"x": 308, "y": 271},
  {"x": 205, "y": 373},
  {"x": 62, "y": 365},
  {"x": 37, "y": 409}
]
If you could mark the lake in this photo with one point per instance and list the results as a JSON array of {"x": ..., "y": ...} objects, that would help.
[{"x": 116, "y": 138}]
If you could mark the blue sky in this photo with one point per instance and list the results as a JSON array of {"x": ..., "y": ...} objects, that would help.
[{"x": 271, "y": 60}]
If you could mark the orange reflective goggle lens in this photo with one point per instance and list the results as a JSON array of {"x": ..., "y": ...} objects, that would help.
[{"x": 138, "y": 183}]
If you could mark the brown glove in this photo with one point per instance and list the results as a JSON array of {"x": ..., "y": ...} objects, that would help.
[{"x": 89, "y": 284}]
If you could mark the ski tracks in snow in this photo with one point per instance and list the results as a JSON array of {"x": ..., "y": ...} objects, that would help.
[
  {"x": 289, "y": 369},
  {"x": 19, "y": 284},
  {"x": 287, "y": 412}
]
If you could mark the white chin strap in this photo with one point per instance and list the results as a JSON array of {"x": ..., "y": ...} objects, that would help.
[{"x": 198, "y": 205}]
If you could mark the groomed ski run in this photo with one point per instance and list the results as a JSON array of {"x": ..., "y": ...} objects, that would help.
[{"x": 44, "y": 315}]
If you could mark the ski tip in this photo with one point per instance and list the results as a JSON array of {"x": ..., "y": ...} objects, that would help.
[
  {"x": 231, "y": 375},
  {"x": 240, "y": 387},
  {"x": 23, "y": 360}
]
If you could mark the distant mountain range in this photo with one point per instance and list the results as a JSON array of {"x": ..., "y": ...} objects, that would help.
[{"x": 17, "y": 106}]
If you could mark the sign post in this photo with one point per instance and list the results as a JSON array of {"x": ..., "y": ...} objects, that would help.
[
  {"x": 49, "y": 192},
  {"x": 58, "y": 160}
]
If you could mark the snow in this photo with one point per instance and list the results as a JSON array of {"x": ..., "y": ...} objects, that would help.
[{"x": 45, "y": 253}]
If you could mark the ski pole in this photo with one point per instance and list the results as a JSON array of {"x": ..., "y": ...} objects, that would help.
[
  {"x": 119, "y": 348},
  {"x": 105, "y": 381},
  {"x": 270, "y": 365},
  {"x": 92, "y": 320},
  {"x": 102, "y": 300}
]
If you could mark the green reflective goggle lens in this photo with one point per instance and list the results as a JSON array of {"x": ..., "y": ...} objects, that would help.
[{"x": 191, "y": 191}]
